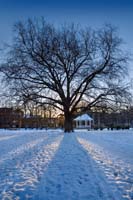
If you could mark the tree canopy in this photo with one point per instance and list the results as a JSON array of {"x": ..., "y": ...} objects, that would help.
[{"x": 66, "y": 66}]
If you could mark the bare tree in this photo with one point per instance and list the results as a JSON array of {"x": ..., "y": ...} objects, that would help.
[{"x": 67, "y": 65}]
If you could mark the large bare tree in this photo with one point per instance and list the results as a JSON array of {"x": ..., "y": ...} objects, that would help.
[{"x": 66, "y": 66}]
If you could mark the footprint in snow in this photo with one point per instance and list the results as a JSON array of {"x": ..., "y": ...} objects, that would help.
[{"x": 80, "y": 182}]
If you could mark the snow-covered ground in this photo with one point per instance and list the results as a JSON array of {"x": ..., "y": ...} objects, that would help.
[{"x": 51, "y": 165}]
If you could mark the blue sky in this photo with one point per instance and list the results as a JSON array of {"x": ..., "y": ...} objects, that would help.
[{"x": 92, "y": 13}]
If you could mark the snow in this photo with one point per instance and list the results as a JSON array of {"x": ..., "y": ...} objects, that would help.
[
  {"x": 83, "y": 117},
  {"x": 51, "y": 165}
]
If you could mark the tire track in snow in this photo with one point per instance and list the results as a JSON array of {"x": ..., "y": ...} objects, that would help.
[
  {"x": 21, "y": 180},
  {"x": 116, "y": 171}
]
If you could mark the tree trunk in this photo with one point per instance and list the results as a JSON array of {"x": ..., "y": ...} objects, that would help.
[{"x": 68, "y": 123}]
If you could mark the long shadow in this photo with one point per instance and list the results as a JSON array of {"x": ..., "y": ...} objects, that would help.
[
  {"x": 118, "y": 173},
  {"x": 73, "y": 175},
  {"x": 8, "y": 145},
  {"x": 22, "y": 170}
]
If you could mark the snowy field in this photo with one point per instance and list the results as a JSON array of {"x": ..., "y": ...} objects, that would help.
[{"x": 51, "y": 165}]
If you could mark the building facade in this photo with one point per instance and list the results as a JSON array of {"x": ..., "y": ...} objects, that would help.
[{"x": 10, "y": 118}]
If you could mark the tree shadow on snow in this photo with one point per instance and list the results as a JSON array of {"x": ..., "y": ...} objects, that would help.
[{"x": 73, "y": 174}]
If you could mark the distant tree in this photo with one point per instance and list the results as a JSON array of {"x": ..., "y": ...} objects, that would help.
[{"x": 66, "y": 66}]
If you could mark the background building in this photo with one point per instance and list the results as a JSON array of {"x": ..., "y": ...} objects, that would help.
[{"x": 10, "y": 118}]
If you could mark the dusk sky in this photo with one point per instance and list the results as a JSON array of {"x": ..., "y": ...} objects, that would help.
[{"x": 92, "y": 13}]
